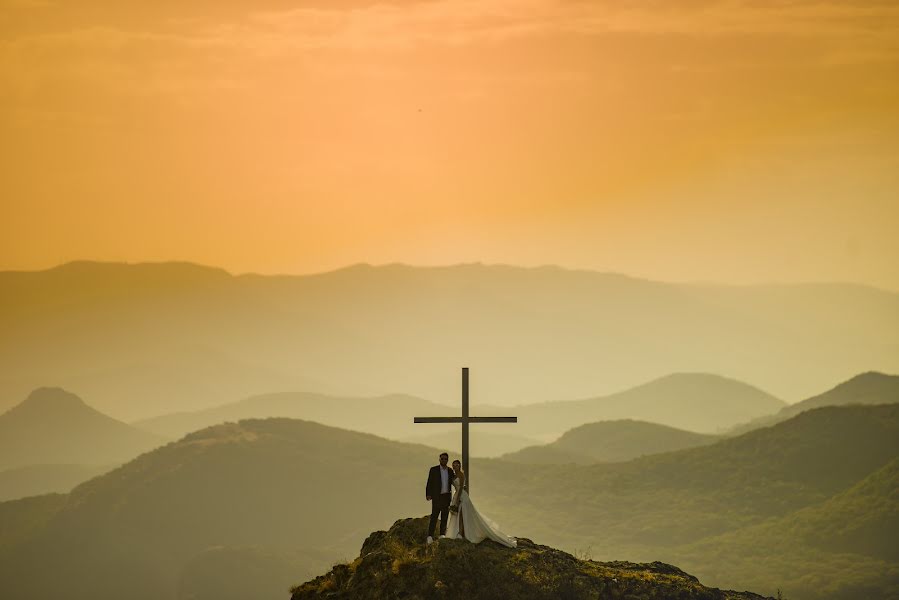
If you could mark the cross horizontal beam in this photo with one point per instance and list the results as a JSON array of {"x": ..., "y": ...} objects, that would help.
[
  {"x": 465, "y": 421},
  {"x": 469, "y": 419}
]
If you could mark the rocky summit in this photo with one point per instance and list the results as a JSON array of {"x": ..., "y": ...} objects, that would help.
[{"x": 397, "y": 564}]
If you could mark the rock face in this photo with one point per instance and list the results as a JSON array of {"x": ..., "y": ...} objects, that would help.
[{"x": 398, "y": 564}]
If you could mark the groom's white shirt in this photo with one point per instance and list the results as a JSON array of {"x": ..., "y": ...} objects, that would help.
[{"x": 444, "y": 480}]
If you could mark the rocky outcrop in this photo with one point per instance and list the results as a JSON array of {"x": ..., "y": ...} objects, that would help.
[{"x": 397, "y": 564}]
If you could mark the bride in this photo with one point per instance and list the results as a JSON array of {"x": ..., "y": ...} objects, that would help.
[{"x": 466, "y": 522}]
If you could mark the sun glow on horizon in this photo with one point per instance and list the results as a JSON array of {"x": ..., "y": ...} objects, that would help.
[{"x": 715, "y": 141}]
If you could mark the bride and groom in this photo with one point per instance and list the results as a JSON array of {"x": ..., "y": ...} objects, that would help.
[{"x": 464, "y": 519}]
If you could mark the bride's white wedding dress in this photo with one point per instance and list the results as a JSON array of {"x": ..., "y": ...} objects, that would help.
[{"x": 475, "y": 526}]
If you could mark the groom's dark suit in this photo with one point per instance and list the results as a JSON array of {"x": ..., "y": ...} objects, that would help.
[{"x": 440, "y": 502}]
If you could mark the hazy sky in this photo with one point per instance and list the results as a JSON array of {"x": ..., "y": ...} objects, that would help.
[{"x": 676, "y": 140}]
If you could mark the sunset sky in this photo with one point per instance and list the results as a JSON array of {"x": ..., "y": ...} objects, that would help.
[{"x": 714, "y": 140}]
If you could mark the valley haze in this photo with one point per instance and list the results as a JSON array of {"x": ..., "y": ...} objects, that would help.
[
  {"x": 211, "y": 434},
  {"x": 142, "y": 340}
]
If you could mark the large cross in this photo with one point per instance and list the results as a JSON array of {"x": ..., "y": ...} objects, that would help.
[{"x": 465, "y": 420}]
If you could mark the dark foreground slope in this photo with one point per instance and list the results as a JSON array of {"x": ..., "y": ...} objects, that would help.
[
  {"x": 395, "y": 564},
  {"x": 281, "y": 497},
  {"x": 843, "y": 549}
]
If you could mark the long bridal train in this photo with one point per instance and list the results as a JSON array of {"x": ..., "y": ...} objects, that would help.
[{"x": 475, "y": 527}]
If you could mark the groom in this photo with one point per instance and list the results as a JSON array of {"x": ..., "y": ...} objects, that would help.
[{"x": 438, "y": 491}]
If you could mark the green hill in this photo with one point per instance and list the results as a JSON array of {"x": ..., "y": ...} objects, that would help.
[
  {"x": 53, "y": 426},
  {"x": 861, "y": 520},
  {"x": 611, "y": 441},
  {"x": 848, "y": 542}
]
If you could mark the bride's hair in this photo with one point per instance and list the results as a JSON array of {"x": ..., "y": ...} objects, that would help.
[{"x": 460, "y": 466}]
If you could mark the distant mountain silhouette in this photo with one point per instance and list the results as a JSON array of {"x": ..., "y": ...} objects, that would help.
[
  {"x": 282, "y": 492},
  {"x": 33, "y": 480},
  {"x": 53, "y": 426},
  {"x": 388, "y": 416},
  {"x": 610, "y": 441},
  {"x": 395, "y": 564},
  {"x": 148, "y": 339},
  {"x": 696, "y": 401},
  {"x": 691, "y": 401},
  {"x": 866, "y": 388}
]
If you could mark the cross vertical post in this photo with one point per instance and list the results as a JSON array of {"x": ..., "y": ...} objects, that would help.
[
  {"x": 465, "y": 423},
  {"x": 465, "y": 420}
]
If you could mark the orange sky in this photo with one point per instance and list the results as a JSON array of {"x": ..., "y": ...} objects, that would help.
[{"x": 692, "y": 140}]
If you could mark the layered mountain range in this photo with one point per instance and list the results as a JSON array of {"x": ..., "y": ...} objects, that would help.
[
  {"x": 148, "y": 339},
  {"x": 694, "y": 401},
  {"x": 199, "y": 473},
  {"x": 865, "y": 388},
  {"x": 610, "y": 441},
  {"x": 289, "y": 497},
  {"x": 54, "y": 440}
]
